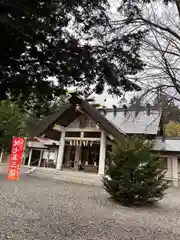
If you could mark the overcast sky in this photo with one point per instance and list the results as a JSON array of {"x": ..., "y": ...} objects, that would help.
[{"x": 113, "y": 100}]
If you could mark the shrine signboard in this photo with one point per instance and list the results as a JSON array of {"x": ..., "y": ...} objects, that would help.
[{"x": 15, "y": 158}]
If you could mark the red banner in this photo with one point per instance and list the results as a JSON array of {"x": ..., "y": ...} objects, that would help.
[{"x": 15, "y": 158}]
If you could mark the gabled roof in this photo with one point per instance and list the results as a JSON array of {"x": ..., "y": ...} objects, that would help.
[
  {"x": 107, "y": 125},
  {"x": 69, "y": 113},
  {"x": 129, "y": 121},
  {"x": 46, "y": 124}
]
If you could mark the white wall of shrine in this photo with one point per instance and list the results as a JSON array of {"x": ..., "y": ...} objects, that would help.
[
  {"x": 102, "y": 153},
  {"x": 172, "y": 167}
]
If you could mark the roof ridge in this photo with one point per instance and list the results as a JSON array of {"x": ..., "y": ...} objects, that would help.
[{"x": 131, "y": 109}]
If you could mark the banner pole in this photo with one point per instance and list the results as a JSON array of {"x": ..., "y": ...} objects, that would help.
[
  {"x": 24, "y": 151},
  {"x": 1, "y": 155}
]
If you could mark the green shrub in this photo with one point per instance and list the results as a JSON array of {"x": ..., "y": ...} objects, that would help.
[{"x": 135, "y": 176}]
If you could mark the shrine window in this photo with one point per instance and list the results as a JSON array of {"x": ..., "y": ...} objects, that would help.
[
  {"x": 92, "y": 134},
  {"x": 72, "y": 134}
]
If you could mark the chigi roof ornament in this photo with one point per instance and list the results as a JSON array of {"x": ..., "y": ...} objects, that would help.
[
  {"x": 148, "y": 109},
  {"x": 125, "y": 109},
  {"x": 115, "y": 110},
  {"x": 78, "y": 108}
]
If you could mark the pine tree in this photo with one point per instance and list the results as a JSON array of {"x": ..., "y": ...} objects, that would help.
[{"x": 135, "y": 176}]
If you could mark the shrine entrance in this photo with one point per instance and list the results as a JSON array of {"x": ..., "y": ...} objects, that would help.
[
  {"x": 82, "y": 145},
  {"x": 90, "y": 158},
  {"x": 82, "y": 158}
]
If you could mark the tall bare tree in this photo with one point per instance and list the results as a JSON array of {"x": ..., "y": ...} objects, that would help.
[{"x": 161, "y": 46}]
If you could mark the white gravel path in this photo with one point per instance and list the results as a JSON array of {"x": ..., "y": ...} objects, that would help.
[{"x": 45, "y": 209}]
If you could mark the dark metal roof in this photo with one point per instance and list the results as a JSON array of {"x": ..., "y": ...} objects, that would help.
[
  {"x": 68, "y": 114},
  {"x": 128, "y": 121},
  {"x": 45, "y": 125},
  {"x": 104, "y": 123}
]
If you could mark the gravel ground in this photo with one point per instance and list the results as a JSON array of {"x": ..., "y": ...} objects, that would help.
[{"x": 45, "y": 209}]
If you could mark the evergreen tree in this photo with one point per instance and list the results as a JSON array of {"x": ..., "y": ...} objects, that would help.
[
  {"x": 13, "y": 123},
  {"x": 135, "y": 176},
  {"x": 43, "y": 39}
]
